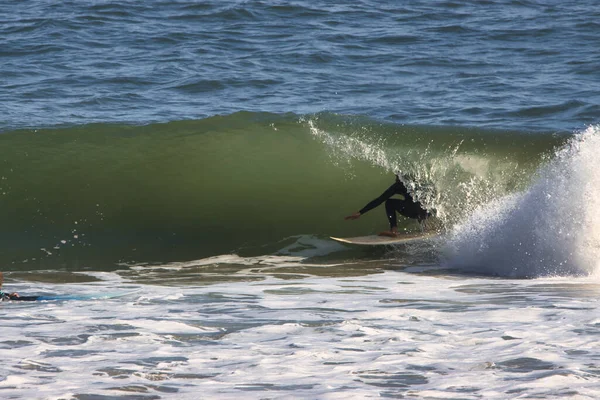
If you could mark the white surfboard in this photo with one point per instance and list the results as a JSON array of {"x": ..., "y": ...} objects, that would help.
[{"x": 375, "y": 240}]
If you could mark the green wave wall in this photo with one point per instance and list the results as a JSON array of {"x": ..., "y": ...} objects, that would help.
[{"x": 97, "y": 195}]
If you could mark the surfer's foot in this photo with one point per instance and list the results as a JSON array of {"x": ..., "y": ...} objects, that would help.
[{"x": 388, "y": 233}]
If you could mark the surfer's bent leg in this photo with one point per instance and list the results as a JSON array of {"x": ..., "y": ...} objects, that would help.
[
  {"x": 408, "y": 209},
  {"x": 391, "y": 206}
]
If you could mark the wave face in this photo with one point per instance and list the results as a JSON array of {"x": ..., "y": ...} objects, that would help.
[
  {"x": 551, "y": 228},
  {"x": 100, "y": 194}
]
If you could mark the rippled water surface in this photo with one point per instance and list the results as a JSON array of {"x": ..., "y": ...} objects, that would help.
[{"x": 515, "y": 64}]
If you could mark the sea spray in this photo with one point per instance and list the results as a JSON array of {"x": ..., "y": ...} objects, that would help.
[
  {"x": 552, "y": 228},
  {"x": 451, "y": 170}
]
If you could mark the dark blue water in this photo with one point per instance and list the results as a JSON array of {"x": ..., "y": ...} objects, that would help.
[{"x": 530, "y": 65}]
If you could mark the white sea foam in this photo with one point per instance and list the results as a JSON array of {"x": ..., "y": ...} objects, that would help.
[
  {"x": 553, "y": 228},
  {"x": 388, "y": 334}
]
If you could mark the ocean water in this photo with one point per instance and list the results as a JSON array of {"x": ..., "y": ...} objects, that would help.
[{"x": 174, "y": 171}]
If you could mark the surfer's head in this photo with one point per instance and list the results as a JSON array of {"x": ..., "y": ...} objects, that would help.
[{"x": 398, "y": 174}]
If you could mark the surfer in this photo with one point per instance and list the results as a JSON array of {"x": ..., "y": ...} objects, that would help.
[
  {"x": 9, "y": 296},
  {"x": 6, "y": 295},
  {"x": 407, "y": 207},
  {"x": 14, "y": 295}
]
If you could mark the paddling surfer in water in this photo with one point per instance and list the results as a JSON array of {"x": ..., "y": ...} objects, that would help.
[
  {"x": 14, "y": 296},
  {"x": 7, "y": 295},
  {"x": 407, "y": 207}
]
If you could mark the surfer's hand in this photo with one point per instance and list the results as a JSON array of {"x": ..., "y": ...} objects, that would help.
[{"x": 353, "y": 216}]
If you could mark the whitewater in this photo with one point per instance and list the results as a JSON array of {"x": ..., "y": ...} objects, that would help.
[
  {"x": 387, "y": 330},
  {"x": 552, "y": 228}
]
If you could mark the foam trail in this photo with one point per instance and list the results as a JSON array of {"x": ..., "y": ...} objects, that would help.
[{"x": 553, "y": 228}]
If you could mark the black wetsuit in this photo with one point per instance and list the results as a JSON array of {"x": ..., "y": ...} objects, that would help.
[{"x": 407, "y": 207}]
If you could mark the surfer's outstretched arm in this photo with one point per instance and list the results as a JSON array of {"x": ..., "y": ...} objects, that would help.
[
  {"x": 375, "y": 203},
  {"x": 378, "y": 201}
]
